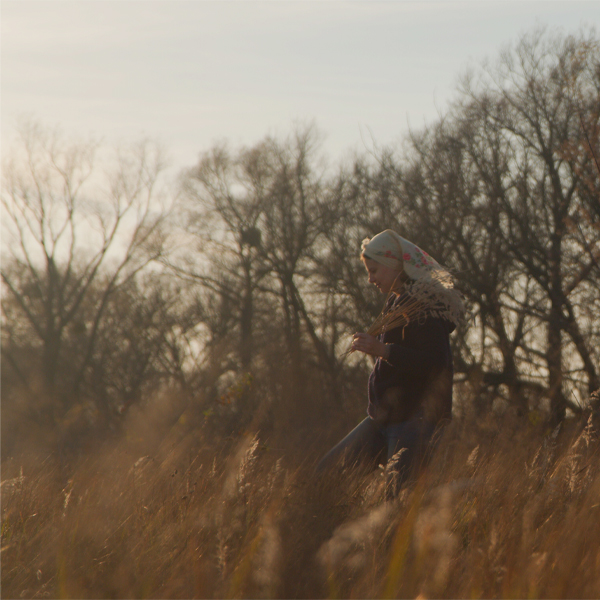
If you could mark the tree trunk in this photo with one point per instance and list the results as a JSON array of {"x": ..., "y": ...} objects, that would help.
[
  {"x": 246, "y": 327},
  {"x": 558, "y": 404}
]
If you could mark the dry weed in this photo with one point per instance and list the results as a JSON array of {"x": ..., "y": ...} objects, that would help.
[{"x": 504, "y": 509}]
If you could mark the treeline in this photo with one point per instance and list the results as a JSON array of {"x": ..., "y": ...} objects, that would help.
[{"x": 240, "y": 289}]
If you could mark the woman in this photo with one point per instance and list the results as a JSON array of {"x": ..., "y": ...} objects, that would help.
[{"x": 410, "y": 387}]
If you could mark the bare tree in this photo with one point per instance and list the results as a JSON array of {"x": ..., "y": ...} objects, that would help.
[
  {"x": 224, "y": 196},
  {"x": 145, "y": 339},
  {"x": 538, "y": 85},
  {"x": 73, "y": 232},
  {"x": 258, "y": 216}
]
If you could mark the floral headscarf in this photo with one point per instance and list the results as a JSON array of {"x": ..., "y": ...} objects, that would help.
[
  {"x": 431, "y": 291},
  {"x": 392, "y": 250}
]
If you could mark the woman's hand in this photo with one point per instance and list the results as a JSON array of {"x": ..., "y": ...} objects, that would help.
[{"x": 363, "y": 342}]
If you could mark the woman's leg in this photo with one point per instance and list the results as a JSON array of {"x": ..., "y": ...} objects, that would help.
[
  {"x": 365, "y": 443},
  {"x": 407, "y": 445}
]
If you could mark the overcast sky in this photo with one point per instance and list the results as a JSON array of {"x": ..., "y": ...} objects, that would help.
[{"x": 190, "y": 73}]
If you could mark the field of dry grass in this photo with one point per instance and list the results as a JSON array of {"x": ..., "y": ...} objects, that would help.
[{"x": 506, "y": 509}]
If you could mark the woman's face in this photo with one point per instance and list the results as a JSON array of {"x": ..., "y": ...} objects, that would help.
[{"x": 381, "y": 276}]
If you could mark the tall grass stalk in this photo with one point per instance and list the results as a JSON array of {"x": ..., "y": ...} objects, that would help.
[{"x": 505, "y": 509}]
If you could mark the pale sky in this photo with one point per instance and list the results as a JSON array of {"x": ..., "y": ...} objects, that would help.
[{"x": 189, "y": 73}]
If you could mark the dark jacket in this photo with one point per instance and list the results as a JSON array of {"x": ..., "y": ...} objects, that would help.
[{"x": 416, "y": 379}]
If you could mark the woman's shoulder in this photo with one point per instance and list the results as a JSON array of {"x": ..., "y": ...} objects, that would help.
[
  {"x": 424, "y": 317},
  {"x": 419, "y": 329}
]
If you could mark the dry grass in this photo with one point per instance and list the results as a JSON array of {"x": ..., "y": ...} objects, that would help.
[
  {"x": 421, "y": 299},
  {"x": 505, "y": 509}
]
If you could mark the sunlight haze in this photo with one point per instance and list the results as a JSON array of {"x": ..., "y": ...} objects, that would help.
[{"x": 191, "y": 73}]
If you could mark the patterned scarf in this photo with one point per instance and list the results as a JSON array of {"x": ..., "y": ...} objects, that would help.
[
  {"x": 431, "y": 290},
  {"x": 392, "y": 250}
]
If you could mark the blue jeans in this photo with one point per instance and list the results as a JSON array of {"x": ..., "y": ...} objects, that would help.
[{"x": 371, "y": 444}]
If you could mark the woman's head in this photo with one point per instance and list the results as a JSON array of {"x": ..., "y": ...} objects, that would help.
[
  {"x": 382, "y": 258},
  {"x": 384, "y": 249},
  {"x": 393, "y": 251},
  {"x": 392, "y": 262}
]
